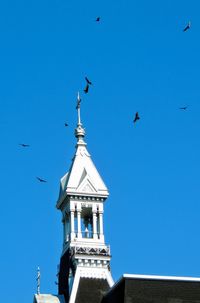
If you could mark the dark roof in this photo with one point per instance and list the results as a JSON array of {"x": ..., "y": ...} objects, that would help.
[
  {"x": 91, "y": 290},
  {"x": 150, "y": 290}
]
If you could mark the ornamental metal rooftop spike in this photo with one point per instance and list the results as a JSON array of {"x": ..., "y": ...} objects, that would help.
[
  {"x": 79, "y": 131},
  {"x": 78, "y": 107},
  {"x": 38, "y": 281}
]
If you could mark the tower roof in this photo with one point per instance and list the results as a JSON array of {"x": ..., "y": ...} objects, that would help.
[{"x": 83, "y": 178}]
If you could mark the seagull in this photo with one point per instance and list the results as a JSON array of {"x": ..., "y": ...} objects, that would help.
[
  {"x": 136, "y": 117},
  {"x": 97, "y": 19},
  {"x": 24, "y": 145},
  {"x": 66, "y": 124},
  {"x": 183, "y": 108},
  {"x": 187, "y": 27},
  {"x": 41, "y": 180},
  {"x": 88, "y": 81},
  {"x": 86, "y": 88}
]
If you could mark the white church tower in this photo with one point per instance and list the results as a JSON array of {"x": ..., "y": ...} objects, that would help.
[{"x": 85, "y": 260}]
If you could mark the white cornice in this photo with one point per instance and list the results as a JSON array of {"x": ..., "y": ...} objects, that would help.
[{"x": 155, "y": 277}]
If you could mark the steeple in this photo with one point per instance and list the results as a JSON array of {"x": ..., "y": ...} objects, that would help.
[
  {"x": 81, "y": 201},
  {"x": 83, "y": 177}
]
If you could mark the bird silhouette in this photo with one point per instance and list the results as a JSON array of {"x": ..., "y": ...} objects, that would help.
[
  {"x": 187, "y": 27},
  {"x": 183, "y": 108},
  {"x": 66, "y": 124},
  {"x": 41, "y": 180},
  {"x": 136, "y": 117},
  {"x": 97, "y": 19},
  {"x": 88, "y": 81},
  {"x": 86, "y": 89},
  {"x": 24, "y": 145}
]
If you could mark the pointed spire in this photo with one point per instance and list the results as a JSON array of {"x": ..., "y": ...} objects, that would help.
[{"x": 79, "y": 131}]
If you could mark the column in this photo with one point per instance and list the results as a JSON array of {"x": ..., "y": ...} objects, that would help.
[
  {"x": 101, "y": 225},
  {"x": 64, "y": 230},
  {"x": 86, "y": 231},
  {"x": 79, "y": 223},
  {"x": 94, "y": 221},
  {"x": 72, "y": 224},
  {"x": 67, "y": 228}
]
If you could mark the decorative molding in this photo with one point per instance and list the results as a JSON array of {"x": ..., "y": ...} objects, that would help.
[
  {"x": 86, "y": 184},
  {"x": 92, "y": 263},
  {"x": 88, "y": 198},
  {"x": 93, "y": 273},
  {"x": 84, "y": 174},
  {"x": 94, "y": 251},
  {"x": 88, "y": 188},
  {"x": 81, "y": 150}
]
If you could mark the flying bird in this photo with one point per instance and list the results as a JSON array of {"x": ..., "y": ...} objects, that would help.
[
  {"x": 183, "y": 108},
  {"x": 86, "y": 88},
  {"x": 88, "y": 81},
  {"x": 136, "y": 117},
  {"x": 66, "y": 124},
  {"x": 41, "y": 180},
  {"x": 24, "y": 145},
  {"x": 187, "y": 27},
  {"x": 97, "y": 19}
]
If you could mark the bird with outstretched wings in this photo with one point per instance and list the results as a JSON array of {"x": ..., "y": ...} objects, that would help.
[
  {"x": 24, "y": 145},
  {"x": 41, "y": 180},
  {"x": 88, "y": 81},
  {"x": 136, "y": 118},
  {"x": 86, "y": 89},
  {"x": 187, "y": 27}
]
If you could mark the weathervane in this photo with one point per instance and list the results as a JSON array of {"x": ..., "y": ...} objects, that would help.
[
  {"x": 79, "y": 130},
  {"x": 78, "y": 107},
  {"x": 38, "y": 280}
]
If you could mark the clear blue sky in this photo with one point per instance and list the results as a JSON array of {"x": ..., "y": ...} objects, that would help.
[{"x": 139, "y": 59}]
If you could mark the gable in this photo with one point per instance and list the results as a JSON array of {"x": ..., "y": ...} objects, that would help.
[
  {"x": 83, "y": 176},
  {"x": 86, "y": 185}
]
